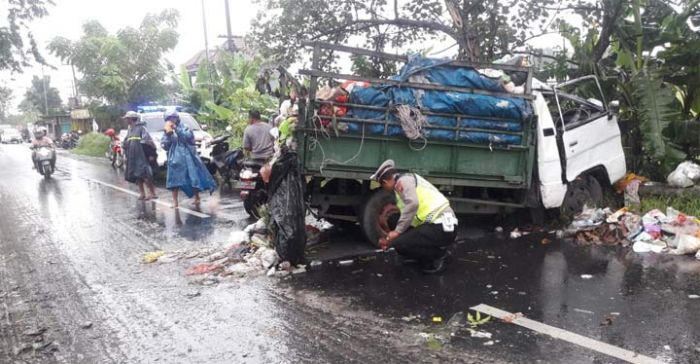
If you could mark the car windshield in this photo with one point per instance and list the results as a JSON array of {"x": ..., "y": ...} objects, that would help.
[{"x": 155, "y": 122}]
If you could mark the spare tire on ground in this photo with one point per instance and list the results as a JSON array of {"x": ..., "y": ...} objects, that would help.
[{"x": 287, "y": 208}]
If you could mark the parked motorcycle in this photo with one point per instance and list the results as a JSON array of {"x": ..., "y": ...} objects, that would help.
[
  {"x": 115, "y": 153},
  {"x": 253, "y": 188},
  {"x": 45, "y": 160},
  {"x": 69, "y": 140},
  {"x": 228, "y": 163}
]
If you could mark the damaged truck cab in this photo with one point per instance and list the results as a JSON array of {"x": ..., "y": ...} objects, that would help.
[{"x": 489, "y": 150}]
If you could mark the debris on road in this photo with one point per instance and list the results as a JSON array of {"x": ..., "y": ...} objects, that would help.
[
  {"x": 693, "y": 296},
  {"x": 672, "y": 232},
  {"x": 586, "y": 276},
  {"x": 151, "y": 257},
  {"x": 515, "y": 234},
  {"x": 86, "y": 325}
]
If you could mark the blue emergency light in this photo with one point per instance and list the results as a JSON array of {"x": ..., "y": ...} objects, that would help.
[{"x": 159, "y": 108}]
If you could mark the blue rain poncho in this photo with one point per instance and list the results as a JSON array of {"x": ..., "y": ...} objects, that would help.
[{"x": 185, "y": 170}]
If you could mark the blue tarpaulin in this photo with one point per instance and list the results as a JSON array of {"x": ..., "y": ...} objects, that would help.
[{"x": 509, "y": 112}]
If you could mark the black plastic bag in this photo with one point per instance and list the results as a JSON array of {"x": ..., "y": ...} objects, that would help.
[{"x": 287, "y": 208}]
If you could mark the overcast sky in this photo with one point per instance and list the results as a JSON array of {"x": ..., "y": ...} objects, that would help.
[{"x": 67, "y": 16}]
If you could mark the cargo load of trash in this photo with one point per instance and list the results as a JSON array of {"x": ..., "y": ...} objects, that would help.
[
  {"x": 478, "y": 118},
  {"x": 672, "y": 232}
]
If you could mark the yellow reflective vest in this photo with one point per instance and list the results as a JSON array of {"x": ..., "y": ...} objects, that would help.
[{"x": 431, "y": 202}]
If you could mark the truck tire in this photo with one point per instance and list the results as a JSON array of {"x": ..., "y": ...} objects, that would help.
[
  {"x": 379, "y": 215},
  {"x": 584, "y": 191}
]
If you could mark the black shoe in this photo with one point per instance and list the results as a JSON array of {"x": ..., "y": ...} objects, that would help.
[{"x": 438, "y": 265}]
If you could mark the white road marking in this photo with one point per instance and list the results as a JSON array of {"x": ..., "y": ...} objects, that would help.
[
  {"x": 157, "y": 201},
  {"x": 557, "y": 333}
]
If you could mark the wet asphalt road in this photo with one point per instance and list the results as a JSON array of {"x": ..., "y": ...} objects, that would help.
[{"x": 73, "y": 289}]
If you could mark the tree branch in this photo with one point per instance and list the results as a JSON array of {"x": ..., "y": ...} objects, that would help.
[{"x": 411, "y": 24}]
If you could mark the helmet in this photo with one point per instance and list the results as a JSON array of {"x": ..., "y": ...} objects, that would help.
[
  {"x": 172, "y": 115},
  {"x": 39, "y": 133},
  {"x": 109, "y": 132}
]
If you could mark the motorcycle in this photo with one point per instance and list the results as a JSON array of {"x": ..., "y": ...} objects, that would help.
[
  {"x": 45, "y": 160},
  {"x": 228, "y": 163},
  {"x": 69, "y": 140},
  {"x": 253, "y": 188},
  {"x": 115, "y": 153}
]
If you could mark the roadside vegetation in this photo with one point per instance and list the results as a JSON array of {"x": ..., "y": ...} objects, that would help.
[
  {"x": 687, "y": 203},
  {"x": 92, "y": 144}
]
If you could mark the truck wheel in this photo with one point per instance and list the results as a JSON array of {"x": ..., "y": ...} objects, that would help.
[
  {"x": 379, "y": 215},
  {"x": 582, "y": 192}
]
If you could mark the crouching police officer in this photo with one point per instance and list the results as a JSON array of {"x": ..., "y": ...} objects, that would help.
[{"x": 427, "y": 223}]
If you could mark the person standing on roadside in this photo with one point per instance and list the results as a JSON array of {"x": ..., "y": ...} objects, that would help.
[
  {"x": 137, "y": 145},
  {"x": 257, "y": 140},
  {"x": 186, "y": 171}
]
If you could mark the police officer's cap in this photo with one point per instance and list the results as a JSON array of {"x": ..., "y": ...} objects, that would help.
[{"x": 387, "y": 165}]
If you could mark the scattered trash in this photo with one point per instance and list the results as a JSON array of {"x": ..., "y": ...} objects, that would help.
[
  {"x": 685, "y": 175},
  {"x": 655, "y": 246},
  {"x": 667, "y": 347},
  {"x": 345, "y": 263},
  {"x": 515, "y": 234},
  {"x": 202, "y": 268},
  {"x": 586, "y": 276},
  {"x": 579, "y": 310},
  {"x": 86, "y": 325},
  {"x": 693, "y": 296},
  {"x": 607, "y": 321},
  {"x": 151, "y": 257},
  {"x": 299, "y": 269},
  {"x": 510, "y": 318},
  {"x": 315, "y": 263},
  {"x": 685, "y": 244},
  {"x": 480, "y": 334},
  {"x": 34, "y": 332},
  {"x": 437, "y": 319},
  {"x": 489, "y": 343},
  {"x": 410, "y": 318},
  {"x": 499, "y": 229},
  {"x": 545, "y": 241},
  {"x": 193, "y": 294}
]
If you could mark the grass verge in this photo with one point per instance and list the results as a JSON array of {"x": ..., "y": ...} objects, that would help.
[
  {"x": 92, "y": 144},
  {"x": 687, "y": 203}
]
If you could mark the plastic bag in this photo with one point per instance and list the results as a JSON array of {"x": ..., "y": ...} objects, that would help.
[
  {"x": 287, "y": 209},
  {"x": 686, "y": 244},
  {"x": 685, "y": 175}
]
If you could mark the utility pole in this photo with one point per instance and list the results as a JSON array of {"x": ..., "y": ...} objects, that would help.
[
  {"x": 206, "y": 44},
  {"x": 46, "y": 99},
  {"x": 229, "y": 39}
]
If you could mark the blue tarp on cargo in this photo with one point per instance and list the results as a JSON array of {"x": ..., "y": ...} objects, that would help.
[{"x": 512, "y": 110}]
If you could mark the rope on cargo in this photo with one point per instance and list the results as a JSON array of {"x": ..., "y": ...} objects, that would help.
[
  {"x": 412, "y": 122},
  {"x": 314, "y": 143}
]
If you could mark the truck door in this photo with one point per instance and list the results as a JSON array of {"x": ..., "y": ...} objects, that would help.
[{"x": 591, "y": 136}]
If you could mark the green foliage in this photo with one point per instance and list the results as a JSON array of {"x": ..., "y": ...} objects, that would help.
[
  {"x": 229, "y": 96},
  {"x": 17, "y": 44},
  {"x": 92, "y": 144},
  {"x": 655, "y": 111},
  {"x": 36, "y": 100},
  {"x": 126, "y": 68},
  {"x": 688, "y": 203},
  {"x": 476, "y": 320},
  {"x": 5, "y": 99},
  {"x": 483, "y": 30}
]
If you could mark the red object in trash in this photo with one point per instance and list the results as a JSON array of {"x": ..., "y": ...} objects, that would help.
[{"x": 202, "y": 268}]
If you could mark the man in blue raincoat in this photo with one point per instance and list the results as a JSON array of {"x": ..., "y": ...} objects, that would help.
[{"x": 186, "y": 171}]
